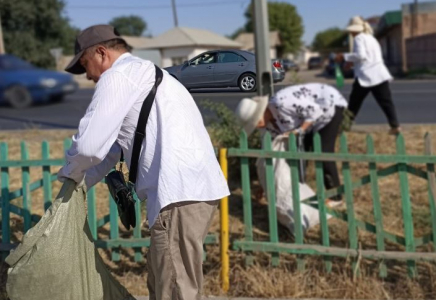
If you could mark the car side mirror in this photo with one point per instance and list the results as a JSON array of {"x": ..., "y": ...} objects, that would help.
[{"x": 186, "y": 62}]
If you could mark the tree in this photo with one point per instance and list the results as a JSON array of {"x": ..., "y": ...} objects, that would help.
[
  {"x": 329, "y": 40},
  {"x": 129, "y": 25},
  {"x": 32, "y": 28},
  {"x": 284, "y": 18}
]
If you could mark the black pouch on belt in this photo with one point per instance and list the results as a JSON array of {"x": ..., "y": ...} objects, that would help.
[{"x": 122, "y": 193}]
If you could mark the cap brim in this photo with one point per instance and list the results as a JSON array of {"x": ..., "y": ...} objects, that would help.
[{"x": 74, "y": 67}]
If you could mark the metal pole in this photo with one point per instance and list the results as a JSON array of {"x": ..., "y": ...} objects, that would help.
[
  {"x": 415, "y": 18},
  {"x": 224, "y": 213},
  {"x": 2, "y": 45},
  {"x": 263, "y": 59},
  {"x": 176, "y": 22}
]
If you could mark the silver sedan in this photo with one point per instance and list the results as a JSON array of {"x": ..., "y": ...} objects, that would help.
[{"x": 222, "y": 68}]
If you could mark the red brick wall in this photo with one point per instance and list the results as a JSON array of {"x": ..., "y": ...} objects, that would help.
[
  {"x": 421, "y": 52},
  {"x": 425, "y": 24}
]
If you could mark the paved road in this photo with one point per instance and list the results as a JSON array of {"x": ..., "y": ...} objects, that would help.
[{"x": 415, "y": 101}]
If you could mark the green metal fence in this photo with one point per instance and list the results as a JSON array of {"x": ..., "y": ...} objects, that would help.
[
  {"x": 400, "y": 163},
  {"x": 134, "y": 240}
]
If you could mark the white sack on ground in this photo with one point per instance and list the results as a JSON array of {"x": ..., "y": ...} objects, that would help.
[
  {"x": 284, "y": 201},
  {"x": 57, "y": 258}
]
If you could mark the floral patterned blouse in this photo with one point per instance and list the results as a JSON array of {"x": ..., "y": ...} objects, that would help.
[{"x": 313, "y": 102}]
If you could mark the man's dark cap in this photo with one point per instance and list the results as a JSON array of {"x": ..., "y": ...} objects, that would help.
[{"x": 89, "y": 37}]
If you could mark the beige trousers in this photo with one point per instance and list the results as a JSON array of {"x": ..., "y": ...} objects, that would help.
[{"x": 175, "y": 256}]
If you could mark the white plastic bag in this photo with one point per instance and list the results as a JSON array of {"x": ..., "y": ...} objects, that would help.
[
  {"x": 57, "y": 258},
  {"x": 284, "y": 201}
]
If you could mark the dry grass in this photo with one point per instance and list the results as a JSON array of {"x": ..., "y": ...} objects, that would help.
[{"x": 262, "y": 280}]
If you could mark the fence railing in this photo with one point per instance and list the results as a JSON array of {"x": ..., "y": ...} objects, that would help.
[
  {"x": 401, "y": 164},
  {"x": 134, "y": 240}
]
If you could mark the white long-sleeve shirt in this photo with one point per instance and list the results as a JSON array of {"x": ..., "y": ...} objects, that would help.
[
  {"x": 177, "y": 161},
  {"x": 294, "y": 105},
  {"x": 367, "y": 57}
]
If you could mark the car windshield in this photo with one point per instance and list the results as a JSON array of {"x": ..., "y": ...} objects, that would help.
[{"x": 10, "y": 62}]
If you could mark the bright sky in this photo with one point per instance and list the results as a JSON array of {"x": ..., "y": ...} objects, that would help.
[{"x": 221, "y": 16}]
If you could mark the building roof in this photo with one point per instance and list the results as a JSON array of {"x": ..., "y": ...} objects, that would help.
[
  {"x": 189, "y": 37},
  {"x": 247, "y": 40},
  {"x": 136, "y": 42},
  {"x": 388, "y": 20},
  {"x": 392, "y": 18}
]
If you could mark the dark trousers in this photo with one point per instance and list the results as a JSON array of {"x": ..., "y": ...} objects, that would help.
[
  {"x": 382, "y": 95},
  {"x": 328, "y": 136}
]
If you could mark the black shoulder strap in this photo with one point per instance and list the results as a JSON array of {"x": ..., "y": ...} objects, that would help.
[{"x": 140, "y": 128}]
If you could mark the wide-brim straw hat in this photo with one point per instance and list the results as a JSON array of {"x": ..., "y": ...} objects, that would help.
[
  {"x": 357, "y": 24},
  {"x": 249, "y": 112}
]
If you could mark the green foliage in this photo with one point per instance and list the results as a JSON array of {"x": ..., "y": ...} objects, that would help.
[
  {"x": 421, "y": 73},
  {"x": 32, "y": 28},
  {"x": 223, "y": 127},
  {"x": 284, "y": 18},
  {"x": 225, "y": 131},
  {"x": 129, "y": 25},
  {"x": 329, "y": 40}
]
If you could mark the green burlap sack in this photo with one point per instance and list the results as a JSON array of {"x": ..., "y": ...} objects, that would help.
[
  {"x": 347, "y": 121},
  {"x": 57, "y": 258}
]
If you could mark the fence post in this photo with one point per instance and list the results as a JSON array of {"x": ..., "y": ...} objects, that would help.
[
  {"x": 46, "y": 176},
  {"x": 25, "y": 178},
  {"x": 320, "y": 191},
  {"x": 378, "y": 215},
  {"x": 246, "y": 196},
  {"x": 6, "y": 229},
  {"x": 348, "y": 185},
  {"x": 92, "y": 214},
  {"x": 431, "y": 187},
  {"x": 295, "y": 182},
  {"x": 137, "y": 229},
  {"x": 224, "y": 218},
  {"x": 271, "y": 195},
  {"x": 406, "y": 205},
  {"x": 114, "y": 230}
]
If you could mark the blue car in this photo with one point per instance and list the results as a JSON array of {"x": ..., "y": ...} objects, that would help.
[{"x": 22, "y": 84}]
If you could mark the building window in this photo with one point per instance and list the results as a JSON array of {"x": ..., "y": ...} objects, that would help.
[{"x": 178, "y": 60}]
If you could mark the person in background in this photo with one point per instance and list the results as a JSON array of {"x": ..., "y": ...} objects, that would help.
[
  {"x": 371, "y": 74},
  {"x": 300, "y": 109}
]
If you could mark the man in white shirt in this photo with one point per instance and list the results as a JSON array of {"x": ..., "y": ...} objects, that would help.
[
  {"x": 370, "y": 72},
  {"x": 178, "y": 172},
  {"x": 300, "y": 109}
]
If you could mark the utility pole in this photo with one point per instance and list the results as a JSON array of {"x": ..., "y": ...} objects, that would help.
[
  {"x": 176, "y": 22},
  {"x": 263, "y": 58},
  {"x": 2, "y": 45},
  {"x": 414, "y": 18}
]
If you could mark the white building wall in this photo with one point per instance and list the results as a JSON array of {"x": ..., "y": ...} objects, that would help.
[
  {"x": 302, "y": 57},
  {"x": 273, "y": 53},
  {"x": 151, "y": 55}
]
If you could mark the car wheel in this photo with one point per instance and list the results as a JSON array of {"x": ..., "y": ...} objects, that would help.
[
  {"x": 247, "y": 82},
  {"x": 18, "y": 96}
]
